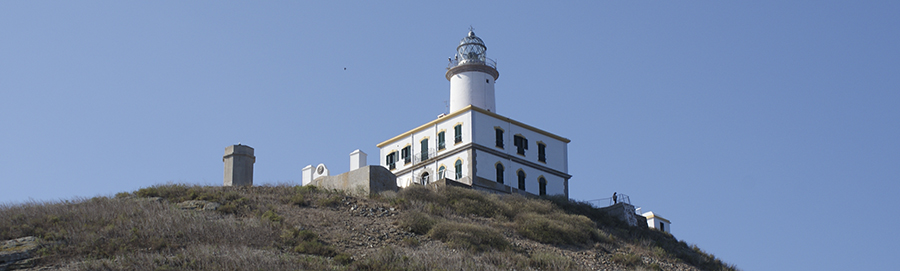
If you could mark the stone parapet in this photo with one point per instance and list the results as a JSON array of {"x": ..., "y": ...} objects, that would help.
[
  {"x": 364, "y": 181},
  {"x": 625, "y": 212}
]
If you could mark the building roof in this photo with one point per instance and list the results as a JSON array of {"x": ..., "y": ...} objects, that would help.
[{"x": 650, "y": 215}]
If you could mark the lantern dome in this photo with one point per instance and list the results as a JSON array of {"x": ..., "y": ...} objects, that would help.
[{"x": 471, "y": 49}]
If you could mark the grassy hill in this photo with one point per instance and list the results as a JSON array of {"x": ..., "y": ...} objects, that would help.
[{"x": 179, "y": 227}]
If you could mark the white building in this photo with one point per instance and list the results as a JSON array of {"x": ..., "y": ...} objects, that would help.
[
  {"x": 655, "y": 221},
  {"x": 475, "y": 145}
]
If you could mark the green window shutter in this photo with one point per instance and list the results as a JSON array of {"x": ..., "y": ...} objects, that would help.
[{"x": 424, "y": 149}]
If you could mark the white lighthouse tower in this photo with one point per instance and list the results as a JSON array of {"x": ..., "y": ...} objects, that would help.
[
  {"x": 475, "y": 146},
  {"x": 472, "y": 75}
]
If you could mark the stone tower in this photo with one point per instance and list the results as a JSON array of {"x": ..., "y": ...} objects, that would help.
[{"x": 239, "y": 161}]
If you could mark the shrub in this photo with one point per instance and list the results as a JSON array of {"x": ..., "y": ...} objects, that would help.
[
  {"x": 343, "y": 258},
  {"x": 306, "y": 189},
  {"x": 315, "y": 247},
  {"x": 205, "y": 257},
  {"x": 626, "y": 259},
  {"x": 306, "y": 242},
  {"x": 471, "y": 202},
  {"x": 659, "y": 252},
  {"x": 100, "y": 228},
  {"x": 436, "y": 209},
  {"x": 330, "y": 201},
  {"x": 387, "y": 258},
  {"x": 410, "y": 242},
  {"x": 469, "y": 236},
  {"x": 122, "y": 195},
  {"x": 476, "y": 206},
  {"x": 293, "y": 237},
  {"x": 234, "y": 206},
  {"x": 513, "y": 205},
  {"x": 551, "y": 261},
  {"x": 299, "y": 200},
  {"x": 558, "y": 228},
  {"x": 416, "y": 222},
  {"x": 272, "y": 216},
  {"x": 506, "y": 260},
  {"x": 172, "y": 192},
  {"x": 419, "y": 193}
]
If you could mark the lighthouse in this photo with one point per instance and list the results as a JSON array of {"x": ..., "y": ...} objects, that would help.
[
  {"x": 472, "y": 75},
  {"x": 474, "y": 146}
]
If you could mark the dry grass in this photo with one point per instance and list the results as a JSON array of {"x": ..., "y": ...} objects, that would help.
[
  {"x": 108, "y": 228},
  {"x": 207, "y": 257},
  {"x": 417, "y": 222},
  {"x": 557, "y": 228},
  {"x": 103, "y": 227},
  {"x": 471, "y": 237},
  {"x": 533, "y": 218},
  {"x": 390, "y": 258},
  {"x": 272, "y": 228}
]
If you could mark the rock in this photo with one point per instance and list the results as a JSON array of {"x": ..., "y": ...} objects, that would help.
[
  {"x": 211, "y": 206},
  {"x": 200, "y": 205},
  {"x": 17, "y": 253}
]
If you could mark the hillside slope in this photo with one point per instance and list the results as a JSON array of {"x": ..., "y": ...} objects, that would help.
[{"x": 178, "y": 227}]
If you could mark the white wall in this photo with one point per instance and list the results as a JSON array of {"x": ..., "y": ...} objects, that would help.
[
  {"x": 431, "y": 131},
  {"x": 478, "y": 127},
  {"x": 485, "y": 168},
  {"x": 432, "y": 167},
  {"x": 556, "y": 150},
  {"x": 472, "y": 88},
  {"x": 654, "y": 221}
]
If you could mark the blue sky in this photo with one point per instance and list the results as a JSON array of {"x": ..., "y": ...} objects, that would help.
[{"x": 768, "y": 132}]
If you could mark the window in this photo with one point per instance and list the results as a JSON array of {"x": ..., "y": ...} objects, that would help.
[
  {"x": 458, "y": 168},
  {"x": 499, "y": 137},
  {"x": 542, "y": 155},
  {"x": 441, "y": 145},
  {"x": 391, "y": 160},
  {"x": 499, "y": 173},
  {"x": 457, "y": 132},
  {"x": 521, "y": 144},
  {"x": 425, "y": 178},
  {"x": 424, "y": 150},
  {"x": 521, "y": 175},
  {"x": 441, "y": 172},
  {"x": 662, "y": 226},
  {"x": 405, "y": 154},
  {"x": 542, "y": 183}
]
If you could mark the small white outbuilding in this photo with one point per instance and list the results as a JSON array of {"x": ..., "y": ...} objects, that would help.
[{"x": 655, "y": 221}]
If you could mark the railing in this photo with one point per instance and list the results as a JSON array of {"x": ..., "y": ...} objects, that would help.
[
  {"x": 418, "y": 158},
  {"x": 610, "y": 200},
  {"x": 415, "y": 159},
  {"x": 421, "y": 180},
  {"x": 428, "y": 179},
  {"x": 486, "y": 61}
]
